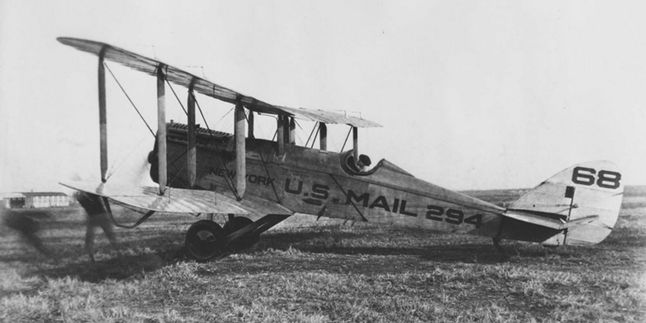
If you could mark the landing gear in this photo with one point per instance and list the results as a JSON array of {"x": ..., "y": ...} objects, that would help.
[
  {"x": 205, "y": 240},
  {"x": 245, "y": 241}
]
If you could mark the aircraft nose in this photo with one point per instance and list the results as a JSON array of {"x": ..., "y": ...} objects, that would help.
[
  {"x": 152, "y": 160},
  {"x": 151, "y": 156}
]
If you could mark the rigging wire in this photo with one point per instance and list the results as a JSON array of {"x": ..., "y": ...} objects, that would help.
[
  {"x": 176, "y": 97},
  {"x": 264, "y": 164},
  {"x": 179, "y": 171},
  {"x": 228, "y": 180},
  {"x": 315, "y": 136},
  {"x": 311, "y": 133},
  {"x": 226, "y": 114},
  {"x": 298, "y": 124},
  {"x": 346, "y": 139},
  {"x": 200, "y": 109},
  {"x": 297, "y": 135},
  {"x": 129, "y": 99},
  {"x": 259, "y": 126},
  {"x": 273, "y": 137}
]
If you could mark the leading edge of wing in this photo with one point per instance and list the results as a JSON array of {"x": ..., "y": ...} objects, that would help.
[
  {"x": 174, "y": 200},
  {"x": 178, "y": 76}
]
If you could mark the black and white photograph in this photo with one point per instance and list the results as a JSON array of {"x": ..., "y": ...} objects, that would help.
[{"x": 322, "y": 161}]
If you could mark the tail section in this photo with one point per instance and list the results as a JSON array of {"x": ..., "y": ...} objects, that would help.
[{"x": 586, "y": 198}]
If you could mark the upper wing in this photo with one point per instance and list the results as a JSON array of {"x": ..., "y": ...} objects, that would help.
[
  {"x": 181, "y": 77},
  {"x": 174, "y": 200}
]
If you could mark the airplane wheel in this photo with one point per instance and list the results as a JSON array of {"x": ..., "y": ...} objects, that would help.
[
  {"x": 204, "y": 240},
  {"x": 244, "y": 242}
]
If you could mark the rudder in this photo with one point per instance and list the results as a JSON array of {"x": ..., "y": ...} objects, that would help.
[{"x": 586, "y": 196}]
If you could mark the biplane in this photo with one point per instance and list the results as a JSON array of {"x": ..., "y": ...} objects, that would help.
[{"x": 257, "y": 183}]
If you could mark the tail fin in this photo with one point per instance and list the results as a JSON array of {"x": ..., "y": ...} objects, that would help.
[{"x": 586, "y": 196}]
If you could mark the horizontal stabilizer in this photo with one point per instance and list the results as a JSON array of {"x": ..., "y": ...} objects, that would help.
[
  {"x": 532, "y": 218},
  {"x": 550, "y": 223},
  {"x": 590, "y": 219},
  {"x": 174, "y": 200}
]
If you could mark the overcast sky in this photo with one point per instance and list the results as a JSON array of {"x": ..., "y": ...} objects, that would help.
[{"x": 471, "y": 94}]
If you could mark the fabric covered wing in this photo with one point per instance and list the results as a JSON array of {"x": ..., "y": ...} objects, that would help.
[
  {"x": 183, "y": 78},
  {"x": 174, "y": 200}
]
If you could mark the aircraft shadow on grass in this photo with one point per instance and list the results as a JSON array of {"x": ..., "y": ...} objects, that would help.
[
  {"x": 331, "y": 247},
  {"x": 438, "y": 250},
  {"x": 324, "y": 256}
]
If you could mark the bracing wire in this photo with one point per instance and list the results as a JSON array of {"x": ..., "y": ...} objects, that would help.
[
  {"x": 129, "y": 99},
  {"x": 346, "y": 139},
  {"x": 228, "y": 180},
  {"x": 200, "y": 109},
  {"x": 179, "y": 171},
  {"x": 311, "y": 133},
  {"x": 176, "y": 97},
  {"x": 315, "y": 136},
  {"x": 264, "y": 164},
  {"x": 224, "y": 116},
  {"x": 298, "y": 124},
  {"x": 297, "y": 135}
]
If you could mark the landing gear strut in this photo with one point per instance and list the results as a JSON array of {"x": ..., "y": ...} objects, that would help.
[
  {"x": 206, "y": 240},
  {"x": 244, "y": 242}
]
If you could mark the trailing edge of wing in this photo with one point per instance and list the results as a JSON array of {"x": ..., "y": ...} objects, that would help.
[
  {"x": 205, "y": 87},
  {"x": 174, "y": 200}
]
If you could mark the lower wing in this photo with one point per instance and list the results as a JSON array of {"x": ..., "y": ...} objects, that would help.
[{"x": 174, "y": 200}]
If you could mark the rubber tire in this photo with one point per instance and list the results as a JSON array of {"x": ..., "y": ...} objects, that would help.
[
  {"x": 204, "y": 240},
  {"x": 244, "y": 242}
]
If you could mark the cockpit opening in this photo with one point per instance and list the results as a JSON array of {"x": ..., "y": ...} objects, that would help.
[{"x": 359, "y": 167}]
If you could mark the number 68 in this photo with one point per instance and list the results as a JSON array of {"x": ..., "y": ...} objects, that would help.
[{"x": 605, "y": 178}]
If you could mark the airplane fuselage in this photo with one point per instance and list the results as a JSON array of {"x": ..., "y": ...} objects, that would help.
[{"x": 317, "y": 182}]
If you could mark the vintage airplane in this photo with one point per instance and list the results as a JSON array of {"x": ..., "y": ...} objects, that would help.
[{"x": 259, "y": 183}]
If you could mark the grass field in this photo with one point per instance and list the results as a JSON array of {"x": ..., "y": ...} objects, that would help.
[{"x": 322, "y": 271}]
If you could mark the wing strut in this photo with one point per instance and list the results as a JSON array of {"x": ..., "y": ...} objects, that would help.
[
  {"x": 250, "y": 121},
  {"x": 161, "y": 128},
  {"x": 292, "y": 131},
  {"x": 123, "y": 90},
  {"x": 241, "y": 167},
  {"x": 315, "y": 136},
  {"x": 191, "y": 158},
  {"x": 355, "y": 143},
  {"x": 280, "y": 134},
  {"x": 323, "y": 131},
  {"x": 103, "y": 129}
]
